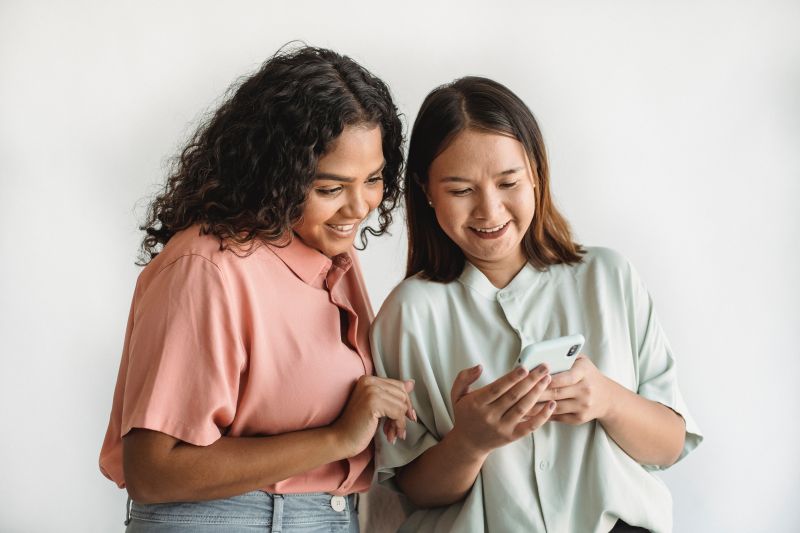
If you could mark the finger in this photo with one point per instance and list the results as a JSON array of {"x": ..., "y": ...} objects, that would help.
[
  {"x": 564, "y": 393},
  {"x": 392, "y": 386},
  {"x": 396, "y": 412},
  {"x": 565, "y": 379},
  {"x": 389, "y": 430},
  {"x": 399, "y": 390},
  {"x": 522, "y": 407},
  {"x": 535, "y": 422},
  {"x": 394, "y": 408},
  {"x": 500, "y": 386},
  {"x": 521, "y": 388},
  {"x": 403, "y": 387},
  {"x": 408, "y": 386},
  {"x": 565, "y": 407},
  {"x": 536, "y": 409},
  {"x": 397, "y": 431},
  {"x": 463, "y": 380}
]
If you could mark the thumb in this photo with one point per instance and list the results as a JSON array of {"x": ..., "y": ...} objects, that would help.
[{"x": 463, "y": 380}]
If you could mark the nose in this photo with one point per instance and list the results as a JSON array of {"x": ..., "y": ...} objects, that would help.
[
  {"x": 356, "y": 206},
  {"x": 488, "y": 203}
]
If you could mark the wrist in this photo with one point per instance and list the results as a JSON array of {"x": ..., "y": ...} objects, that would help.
[
  {"x": 614, "y": 398},
  {"x": 334, "y": 442},
  {"x": 462, "y": 447}
]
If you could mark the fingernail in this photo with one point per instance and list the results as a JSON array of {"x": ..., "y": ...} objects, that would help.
[
  {"x": 520, "y": 371},
  {"x": 476, "y": 367},
  {"x": 547, "y": 379},
  {"x": 543, "y": 369},
  {"x": 394, "y": 439},
  {"x": 403, "y": 435},
  {"x": 551, "y": 405},
  {"x": 413, "y": 415}
]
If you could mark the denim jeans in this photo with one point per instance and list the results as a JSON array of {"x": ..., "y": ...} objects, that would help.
[{"x": 253, "y": 511}]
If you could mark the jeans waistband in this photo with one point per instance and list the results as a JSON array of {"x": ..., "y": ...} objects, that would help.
[{"x": 255, "y": 508}]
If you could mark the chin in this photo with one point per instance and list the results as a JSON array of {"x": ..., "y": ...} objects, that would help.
[{"x": 332, "y": 251}]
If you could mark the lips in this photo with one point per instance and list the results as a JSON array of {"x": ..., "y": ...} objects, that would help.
[
  {"x": 490, "y": 232},
  {"x": 341, "y": 230}
]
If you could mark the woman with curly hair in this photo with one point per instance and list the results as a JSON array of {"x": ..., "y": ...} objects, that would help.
[{"x": 245, "y": 397}]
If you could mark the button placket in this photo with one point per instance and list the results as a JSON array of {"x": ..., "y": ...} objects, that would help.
[{"x": 543, "y": 462}]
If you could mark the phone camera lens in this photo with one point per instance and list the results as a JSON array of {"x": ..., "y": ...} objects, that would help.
[{"x": 572, "y": 351}]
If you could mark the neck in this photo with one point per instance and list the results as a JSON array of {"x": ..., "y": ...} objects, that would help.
[{"x": 500, "y": 273}]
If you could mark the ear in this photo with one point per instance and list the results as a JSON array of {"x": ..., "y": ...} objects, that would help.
[{"x": 427, "y": 196}]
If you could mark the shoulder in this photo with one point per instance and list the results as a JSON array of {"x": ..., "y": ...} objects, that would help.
[
  {"x": 188, "y": 246},
  {"x": 191, "y": 256},
  {"x": 600, "y": 262},
  {"x": 414, "y": 296}
]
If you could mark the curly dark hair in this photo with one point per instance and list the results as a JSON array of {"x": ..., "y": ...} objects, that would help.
[{"x": 246, "y": 171}]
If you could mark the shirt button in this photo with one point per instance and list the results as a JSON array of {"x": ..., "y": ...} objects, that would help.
[
  {"x": 544, "y": 465},
  {"x": 338, "y": 503}
]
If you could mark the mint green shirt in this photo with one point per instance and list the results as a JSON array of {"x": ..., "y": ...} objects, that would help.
[{"x": 561, "y": 478}]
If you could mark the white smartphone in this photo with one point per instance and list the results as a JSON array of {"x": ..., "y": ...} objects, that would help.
[{"x": 559, "y": 354}]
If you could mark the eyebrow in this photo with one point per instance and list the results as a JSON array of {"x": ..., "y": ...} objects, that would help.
[
  {"x": 507, "y": 172},
  {"x": 345, "y": 179}
]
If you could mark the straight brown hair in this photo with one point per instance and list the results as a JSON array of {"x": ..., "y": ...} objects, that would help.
[{"x": 481, "y": 104}]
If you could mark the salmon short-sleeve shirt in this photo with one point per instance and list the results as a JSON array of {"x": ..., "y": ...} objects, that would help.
[{"x": 225, "y": 343}]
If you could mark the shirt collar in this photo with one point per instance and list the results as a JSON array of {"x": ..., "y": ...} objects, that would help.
[
  {"x": 311, "y": 265},
  {"x": 525, "y": 279}
]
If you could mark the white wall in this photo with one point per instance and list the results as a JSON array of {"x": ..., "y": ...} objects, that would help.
[{"x": 674, "y": 132}]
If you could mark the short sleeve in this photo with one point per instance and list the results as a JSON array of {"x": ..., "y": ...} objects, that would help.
[
  {"x": 185, "y": 355},
  {"x": 399, "y": 354},
  {"x": 658, "y": 378}
]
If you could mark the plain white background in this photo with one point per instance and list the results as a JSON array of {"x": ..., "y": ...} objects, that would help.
[{"x": 674, "y": 136}]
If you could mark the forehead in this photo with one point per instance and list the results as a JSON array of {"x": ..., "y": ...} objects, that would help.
[
  {"x": 357, "y": 148},
  {"x": 473, "y": 153}
]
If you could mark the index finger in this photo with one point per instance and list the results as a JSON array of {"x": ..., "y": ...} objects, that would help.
[
  {"x": 567, "y": 378},
  {"x": 489, "y": 393}
]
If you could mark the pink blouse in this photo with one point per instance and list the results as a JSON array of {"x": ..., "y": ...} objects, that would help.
[{"x": 223, "y": 343}]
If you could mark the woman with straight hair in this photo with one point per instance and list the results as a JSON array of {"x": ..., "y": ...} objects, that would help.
[
  {"x": 492, "y": 269},
  {"x": 245, "y": 399}
]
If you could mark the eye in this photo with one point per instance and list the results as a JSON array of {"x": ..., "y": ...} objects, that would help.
[
  {"x": 332, "y": 191},
  {"x": 509, "y": 184},
  {"x": 375, "y": 179},
  {"x": 460, "y": 192}
]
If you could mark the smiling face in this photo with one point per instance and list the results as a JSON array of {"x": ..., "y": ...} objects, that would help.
[
  {"x": 481, "y": 187},
  {"x": 347, "y": 187}
]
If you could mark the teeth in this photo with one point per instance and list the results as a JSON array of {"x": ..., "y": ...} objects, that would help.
[
  {"x": 344, "y": 229},
  {"x": 491, "y": 230}
]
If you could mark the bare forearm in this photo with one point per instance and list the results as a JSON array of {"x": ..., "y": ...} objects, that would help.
[
  {"x": 648, "y": 431},
  {"x": 229, "y": 466},
  {"x": 443, "y": 474}
]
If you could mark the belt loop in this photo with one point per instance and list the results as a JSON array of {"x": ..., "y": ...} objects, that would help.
[
  {"x": 128, "y": 512},
  {"x": 277, "y": 513},
  {"x": 356, "y": 500}
]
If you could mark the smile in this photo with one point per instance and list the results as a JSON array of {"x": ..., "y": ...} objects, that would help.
[
  {"x": 492, "y": 232},
  {"x": 343, "y": 230}
]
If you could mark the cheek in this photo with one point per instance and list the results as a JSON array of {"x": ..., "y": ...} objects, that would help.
[
  {"x": 374, "y": 198},
  {"x": 451, "y": 218},
  {"x": 452, "y": 211},
  {"x": 315, "y": 211}
]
